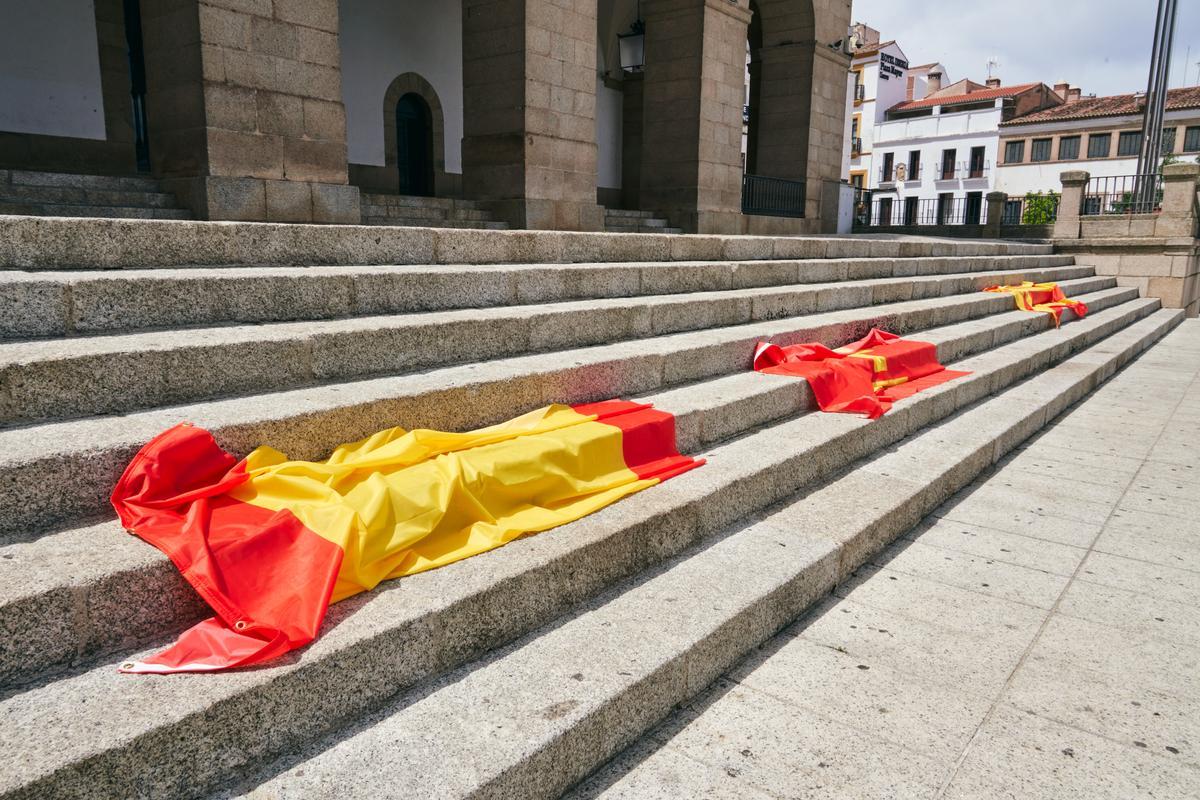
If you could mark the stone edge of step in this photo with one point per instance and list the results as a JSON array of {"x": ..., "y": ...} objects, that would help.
[
  {"x": 57, "y": 379},
  {"x": 51, "y": 242},
  {"x": 616, "y": 542},
  {"x": 34, "y": 460},
  {"x": 50, "y": 627},
  {"x": 552, "y": 752}
]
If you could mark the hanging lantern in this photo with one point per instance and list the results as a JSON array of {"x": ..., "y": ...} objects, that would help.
[{"x": 633, "y": 46}]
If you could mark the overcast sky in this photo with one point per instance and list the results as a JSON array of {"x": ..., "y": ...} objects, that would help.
[{"x": 1102, "y": 46}]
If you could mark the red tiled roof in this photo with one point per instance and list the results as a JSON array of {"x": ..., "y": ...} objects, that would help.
[
  {"x": 969, "y": 97},
  {"x": 1114, "y": 106}
]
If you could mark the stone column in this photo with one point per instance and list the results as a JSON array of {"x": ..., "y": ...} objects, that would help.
[
  {"x": 1178, "y": 214},
  {"x": 1074, "y": 182},
  {"x": 801, "y": 101},
  {"x": 529, "y": 116},
  {"x": 694, "y": 85},
  {"x": 995, "y": 212},
  {"x": 245, "y": 106}
]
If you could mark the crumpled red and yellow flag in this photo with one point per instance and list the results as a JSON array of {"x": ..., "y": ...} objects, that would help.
[
  {"x": 1047, "y": 297},
  {"x": 864, "y": 377},
  {"x": 269, "y": 543}
]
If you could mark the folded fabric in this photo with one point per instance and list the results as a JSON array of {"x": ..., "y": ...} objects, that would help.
[
  {"x": 269, "y": 543},
  {"x": 1047, "y": 297},
  {"x": 864, "y": 377}
]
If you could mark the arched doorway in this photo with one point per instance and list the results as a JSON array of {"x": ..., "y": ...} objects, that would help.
[{"x": 414, "y": 145}]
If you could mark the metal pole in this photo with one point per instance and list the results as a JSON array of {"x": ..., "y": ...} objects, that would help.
[{"x": 1155, "y": 104}]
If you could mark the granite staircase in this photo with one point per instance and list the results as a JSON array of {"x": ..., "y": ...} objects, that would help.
[
  {"x": 426, "y": 212},
  {"x": 60, "y": 194},
  {"x": 518, "y": 672},
  {"x": 622, "y": 220}
]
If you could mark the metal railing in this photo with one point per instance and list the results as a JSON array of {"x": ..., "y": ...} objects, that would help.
[
  {"x": 856, "y": 145},
  {"x": 1030, "y": 209},
  {"x": 860, "y": 92},
  {"x": 1123, "y": 194},
  {"x": 914, "y": 212},
  {"x": 772, "y": 197},
  {"x": 862, "y": 207}
]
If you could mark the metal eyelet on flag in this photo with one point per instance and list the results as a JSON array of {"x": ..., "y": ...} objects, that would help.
[
  {"x": 240, "y": 625},
  {"x": 128, "y": 665}
]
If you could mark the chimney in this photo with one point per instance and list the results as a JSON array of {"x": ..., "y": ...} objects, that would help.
[
  {"x": 993, "y": 83},
  {"x": 1073, "y": 94},
  {"x": 935, "y": 84},
  {"x": 1061, "y": 89}
]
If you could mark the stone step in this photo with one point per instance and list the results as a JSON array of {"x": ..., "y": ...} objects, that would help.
[
  {"x": 465, "y": 224},
  {"x": 49, "y": 243},
  {"x": 48, "y": 631},
  {"x": 412, "y": 201},
  {"x": 188, "y": 736},
  {"x": 18, "y": 177},
  {"x": 62, "y": 378},
  {"x": 627, "y": 213},
  {"x": 540, "y": 715},
  {"x": 78, "y": 195},
  {"x": 59, "y": 473},
  {"x": 24, "y": 208},
  {"x": 414, "y": 214},
  {"x": 66, "y": 303},
  {"x": 641, "y": 229}
]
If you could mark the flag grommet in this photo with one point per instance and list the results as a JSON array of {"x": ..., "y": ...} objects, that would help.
[
  {"x": 128, "y": 665},
  {"x": 240, "y": 625}
]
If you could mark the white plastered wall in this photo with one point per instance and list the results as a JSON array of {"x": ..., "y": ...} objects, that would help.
[
  {"x": 382, "y": 39},
  {"x": 50, "y": 69}
]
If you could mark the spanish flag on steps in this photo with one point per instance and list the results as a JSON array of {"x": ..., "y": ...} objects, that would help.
[
  {"x": 1047, "y": 297},
  {"x": 269, "y": 543},
  {"x": 864, "y": 377}
]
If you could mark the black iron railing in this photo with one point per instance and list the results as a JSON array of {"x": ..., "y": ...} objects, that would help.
[
  {"x": 1030, "y": 209},
  {"x": 914, "y": 212},
  {"x": 1123, "y": 194},
  {"x": 772, "y": 197},
  {"x": 856, "y": 145},
  {"x": 860, "y": 91}
]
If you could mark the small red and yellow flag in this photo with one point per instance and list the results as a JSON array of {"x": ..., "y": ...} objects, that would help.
[
  {"x": 1047, "y": 297},
  {"x": 269, "y": 543},
  {"x": 864, "y": 377}
]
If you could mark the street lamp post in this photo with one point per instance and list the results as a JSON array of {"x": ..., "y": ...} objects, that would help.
[{"x": 1156, "y": 101}]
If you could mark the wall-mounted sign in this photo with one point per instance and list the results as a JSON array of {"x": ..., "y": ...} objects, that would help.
[{"x": 890, "y": 65}]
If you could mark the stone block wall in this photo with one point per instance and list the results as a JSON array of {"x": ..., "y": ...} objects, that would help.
[
  {"x": 529, "y": 95},
  {"x": 246, "y": 108}
]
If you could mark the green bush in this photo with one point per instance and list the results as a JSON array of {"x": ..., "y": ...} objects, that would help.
[{"x": 1040, "y": 209}]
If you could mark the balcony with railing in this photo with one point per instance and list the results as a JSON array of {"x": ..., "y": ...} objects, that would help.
[
  {"x": 860, "y": 92},
  {"x": 856, "y": 146}
]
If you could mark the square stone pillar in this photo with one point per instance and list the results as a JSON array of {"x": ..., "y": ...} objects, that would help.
[
  {"x": 995, "y": 213},
  {"x": 1074, "y": 183},
  {"x": 529, "y": 111},
  {"x": 693, "y": 93},
  {"x": 245, "y": 108},
  {"x": 1178, "y": 214}
]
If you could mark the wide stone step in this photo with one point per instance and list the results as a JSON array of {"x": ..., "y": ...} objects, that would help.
[
  {"x": 48, "y": 243},
  {"x": 465, "y": 224},
  {"x": 48, "y": 630},
  {"x": 90, "y": 210},
  {"x": 61, "y": 472},
  {"x": 188, "y": 736},
  {"x": 540, "y": 715},
  {"x": 60, "y": 378},
  {"x": 627, "y": 213},
  {"x": 18, "y": 177},
  {"x": 66, "y": 303},
  {"x": 80, "y": 195}
]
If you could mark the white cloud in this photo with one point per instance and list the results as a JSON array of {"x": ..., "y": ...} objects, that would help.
[{"x": 1102, "y": 46}]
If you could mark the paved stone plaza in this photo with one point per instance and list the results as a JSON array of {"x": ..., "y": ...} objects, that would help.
[{"x": 1038, "y": 637}]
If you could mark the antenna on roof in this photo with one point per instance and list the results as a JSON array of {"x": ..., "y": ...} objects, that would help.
[{"x": 992, "y": 64}]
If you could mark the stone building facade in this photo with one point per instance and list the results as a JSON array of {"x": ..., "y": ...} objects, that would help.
[{"x": 284, "y": 110}]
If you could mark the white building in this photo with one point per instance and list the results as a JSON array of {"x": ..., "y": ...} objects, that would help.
[{"x": 1101, "y": 135}]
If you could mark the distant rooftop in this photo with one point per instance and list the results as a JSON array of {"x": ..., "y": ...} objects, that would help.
[
  {"x": 1113, "y": 106},
  {"x": 973, "y": 96}
]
